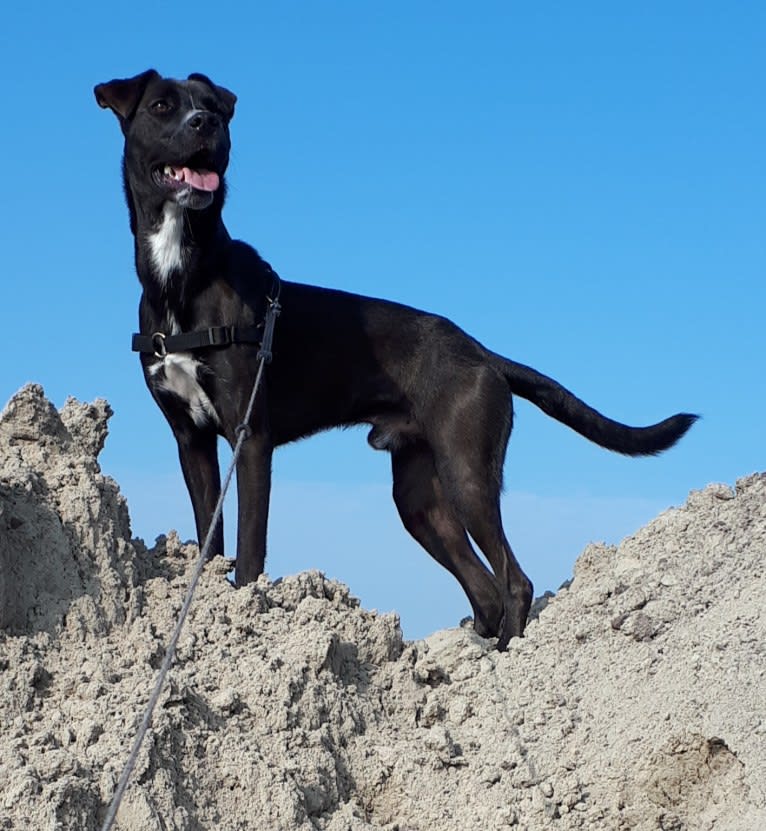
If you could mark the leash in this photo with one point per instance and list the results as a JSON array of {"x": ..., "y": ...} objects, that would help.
[{"x": 243, "y": 433}]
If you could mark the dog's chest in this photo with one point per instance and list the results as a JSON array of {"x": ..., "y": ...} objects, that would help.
[
  {"x": 180, "y": 374},
  {"x": 177, "y": 373}
]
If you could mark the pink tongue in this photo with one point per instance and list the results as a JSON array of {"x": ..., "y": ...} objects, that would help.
[{"x": 200, "y": 179}]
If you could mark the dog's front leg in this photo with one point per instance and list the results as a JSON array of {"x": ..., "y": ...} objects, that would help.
[
  {"x": 198, "y": 452},
  {"x": 253, "y": 490}
]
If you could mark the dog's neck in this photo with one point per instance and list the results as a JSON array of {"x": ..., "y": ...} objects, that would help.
[{"x": 172, "y": 247}]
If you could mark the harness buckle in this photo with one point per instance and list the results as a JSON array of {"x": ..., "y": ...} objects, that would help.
[
  {"x": 158, "y": 342},
  {"x": 220, "y": 335}
]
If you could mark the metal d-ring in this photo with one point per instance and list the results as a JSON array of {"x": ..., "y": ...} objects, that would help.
[{"x": 158, "y": 342}]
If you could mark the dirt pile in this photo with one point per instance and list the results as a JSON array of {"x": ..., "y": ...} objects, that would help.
[{"x": 637, "y": 700}]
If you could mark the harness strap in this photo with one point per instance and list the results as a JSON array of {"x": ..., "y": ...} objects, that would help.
[{"x": 161, "y": 344}]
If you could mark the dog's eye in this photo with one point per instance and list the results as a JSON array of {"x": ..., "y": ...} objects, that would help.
[{"x": 160, "y": 106}]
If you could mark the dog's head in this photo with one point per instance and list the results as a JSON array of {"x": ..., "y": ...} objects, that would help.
[{"x": 176, "y": 136}]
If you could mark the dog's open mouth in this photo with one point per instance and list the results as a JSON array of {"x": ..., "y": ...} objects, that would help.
[
  {"x": 191, "y": 184},
  {"x": 180, "y": 177}
]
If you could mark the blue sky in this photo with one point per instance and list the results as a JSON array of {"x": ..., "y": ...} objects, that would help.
[{"x": 579, "y": 185}]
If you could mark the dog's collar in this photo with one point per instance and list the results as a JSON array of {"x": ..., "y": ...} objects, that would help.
[{"x": 160, "y": 344}]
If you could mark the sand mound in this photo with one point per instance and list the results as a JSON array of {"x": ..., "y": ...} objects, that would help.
[{"x": 637, "y": 700}]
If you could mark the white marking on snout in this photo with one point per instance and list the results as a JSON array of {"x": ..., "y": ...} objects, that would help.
[
  {"x": 181, "y": 378},
  {"x": 165, "y": 244}
]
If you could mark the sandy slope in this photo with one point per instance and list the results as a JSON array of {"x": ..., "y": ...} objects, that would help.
[{"x": 636, "y": 701}]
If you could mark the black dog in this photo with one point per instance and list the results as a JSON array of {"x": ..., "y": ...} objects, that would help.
[{"x": 436, "y": 399}]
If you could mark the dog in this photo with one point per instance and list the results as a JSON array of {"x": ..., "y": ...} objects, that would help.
[{"x": 436, "y": 399}]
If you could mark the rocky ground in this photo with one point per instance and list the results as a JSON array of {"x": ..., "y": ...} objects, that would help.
[{"x": 636, "y": 701}]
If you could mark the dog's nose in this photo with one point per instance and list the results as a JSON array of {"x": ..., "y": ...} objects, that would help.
[{"x": 204, "y": 122}]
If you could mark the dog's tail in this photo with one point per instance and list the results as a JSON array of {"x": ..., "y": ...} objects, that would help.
[{"x": 559, "y": 403}]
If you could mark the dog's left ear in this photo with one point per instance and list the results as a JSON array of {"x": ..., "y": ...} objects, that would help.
[
  {"x": 228, "y": 99},
  {"x": 122, "y": 95}
]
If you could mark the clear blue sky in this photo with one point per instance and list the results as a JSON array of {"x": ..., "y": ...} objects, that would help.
[{"x": 579, "y": 185}]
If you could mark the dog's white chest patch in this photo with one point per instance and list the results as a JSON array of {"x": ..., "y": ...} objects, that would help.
[
  {"x": 181, "y": 377},
  {"x": 165, "y": 243}
]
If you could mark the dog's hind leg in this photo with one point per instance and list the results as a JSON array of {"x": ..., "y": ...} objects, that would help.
[
  {"x": 427, "y": 515},
  {"x": 475, "y": 500},
  {"x": 469, "y": 450},
  {"x": 481, "y": 515}
]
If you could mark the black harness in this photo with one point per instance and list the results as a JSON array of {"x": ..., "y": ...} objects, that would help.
[{"x": 161, "y": 344}]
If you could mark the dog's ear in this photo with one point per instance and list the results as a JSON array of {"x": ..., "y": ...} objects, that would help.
[
  {"x": 228, "y": 99},
  {"x": 122, "y": 95}
]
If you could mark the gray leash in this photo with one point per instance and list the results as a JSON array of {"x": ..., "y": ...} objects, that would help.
[{"x": 243, "y": 432}]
